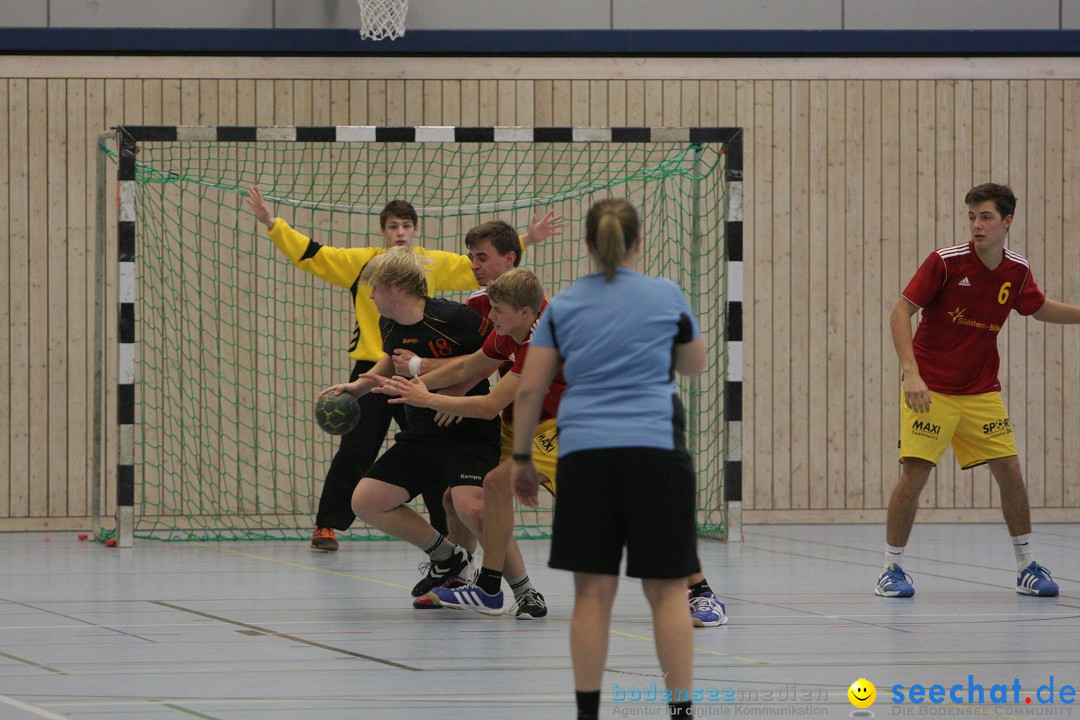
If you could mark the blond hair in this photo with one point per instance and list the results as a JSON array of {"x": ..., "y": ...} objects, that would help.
[
  {"x": 611, "y": 227},
  {"x": 398, "y": 267},
  {"x": 517, "y": 288}
]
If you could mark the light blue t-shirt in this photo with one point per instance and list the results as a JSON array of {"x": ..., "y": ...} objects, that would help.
[{"x": 617, "y": 340}]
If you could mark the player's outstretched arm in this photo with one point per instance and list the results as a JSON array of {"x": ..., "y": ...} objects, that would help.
[
  {"x": 1058, "y": 313},
  {"x": 366, "y": 381},
  {"x": 414, "y": 392},
  {"x": 444, "y": 372},
  {"x": 258, "y": 206},
  {"x": 409, "y": 364}
]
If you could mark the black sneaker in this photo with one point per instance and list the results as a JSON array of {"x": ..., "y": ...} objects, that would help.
[
  {"x": 528, "y": 606},
  {"x": 439, "y": 572}
]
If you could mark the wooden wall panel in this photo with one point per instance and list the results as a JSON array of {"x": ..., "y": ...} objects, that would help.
[
  {"x": 18, "y": 269},
  {"x": 803, "y": 323},
  {"x": 1053, "y": 265},
  {"x": 855, "y": 278},
  {"x": 1070, "y": 291},
  {"x": 59, "y": 311},
  {"x": 38, "y": 300},
  {"x": 759, "y": 286},
  {"x": 818, "y": 300},
  {"x": 5, "y": 296},
  {"x": 852, "y": 178},
  {"x": 874, "y": 462},
  {"x": 892, "y": 220},
  {"x": 782, "y": 316}
]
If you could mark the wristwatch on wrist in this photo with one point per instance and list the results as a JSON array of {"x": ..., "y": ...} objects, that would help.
[{"x": 521, "y": 457}]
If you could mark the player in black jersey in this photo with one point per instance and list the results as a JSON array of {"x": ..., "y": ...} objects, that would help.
[{"x": 427, "y": 453}]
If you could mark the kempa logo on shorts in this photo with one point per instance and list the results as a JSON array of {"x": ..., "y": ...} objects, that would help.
[
  {"x": 470, "y": 477},
  {"x": 998, "y": 427},
  {"x": 409, "y": 341},
  {"x": 925, "y": 429}
]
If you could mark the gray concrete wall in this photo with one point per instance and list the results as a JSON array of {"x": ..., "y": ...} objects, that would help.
[{"x": 558, "y": 14}]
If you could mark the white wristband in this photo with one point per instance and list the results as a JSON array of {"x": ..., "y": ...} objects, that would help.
[{"x": 414, "y": 365}]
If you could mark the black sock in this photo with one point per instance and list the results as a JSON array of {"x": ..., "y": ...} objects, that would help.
[
  {"x": 680, "y": 709},
  {"x": 697, "y": 589},
  {"x": 489, "y": 580},
  {"x": 588, "y": 705}
]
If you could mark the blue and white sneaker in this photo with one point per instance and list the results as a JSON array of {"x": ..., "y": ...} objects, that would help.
[
  {"x": 1035, "y": 580},
  {"x": 894, "y": 582},
  {"x": 469, "y": 597},
  {"x": 707, "y": 611}
]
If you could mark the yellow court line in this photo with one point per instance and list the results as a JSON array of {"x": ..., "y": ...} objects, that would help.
[
  {"x": 304, "y": 567},
  {"x": 31, "y": 662}
]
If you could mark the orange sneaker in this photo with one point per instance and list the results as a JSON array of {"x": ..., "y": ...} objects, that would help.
[{"x": 324, "y": 540}]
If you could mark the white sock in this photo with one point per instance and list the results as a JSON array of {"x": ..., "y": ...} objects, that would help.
[
  {"x": 1024, "y": 551},
  {"x": 438, "y": 549},
  {"x": 520, "y": 584},
  {"x": 893, "y": 555}
]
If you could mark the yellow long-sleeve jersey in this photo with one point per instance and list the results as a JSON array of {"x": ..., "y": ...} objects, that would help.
[{"x": 341, "y": 266}]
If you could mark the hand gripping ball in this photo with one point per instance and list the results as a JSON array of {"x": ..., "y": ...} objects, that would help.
[{"x": 337, "y": 414}]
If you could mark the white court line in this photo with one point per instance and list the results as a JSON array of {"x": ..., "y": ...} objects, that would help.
[{"x": 31, "y": 709}]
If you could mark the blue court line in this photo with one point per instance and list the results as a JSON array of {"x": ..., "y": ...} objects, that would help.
[{"x": 79, "y": 620}]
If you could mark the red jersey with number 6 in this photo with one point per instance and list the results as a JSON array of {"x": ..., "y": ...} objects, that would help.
[
  {"x": 503, "y": 347},
  {"x": 964, "y": 305}
]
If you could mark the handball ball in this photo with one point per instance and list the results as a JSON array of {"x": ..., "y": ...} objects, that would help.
[{"x": 337, "y": 414}]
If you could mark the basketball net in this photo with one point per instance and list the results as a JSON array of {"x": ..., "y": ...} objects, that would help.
[{"x": 382, "y": 19}]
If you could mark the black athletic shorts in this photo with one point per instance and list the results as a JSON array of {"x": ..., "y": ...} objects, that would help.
[
  {"x": 417, "y": 463},
  {"x": 642, "y": 498}
]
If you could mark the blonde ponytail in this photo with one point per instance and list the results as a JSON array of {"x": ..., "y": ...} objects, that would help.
[{"x": 611, "y": 227}]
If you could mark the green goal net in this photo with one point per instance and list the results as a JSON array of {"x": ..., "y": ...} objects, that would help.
[{"x": 233, "y": 343}]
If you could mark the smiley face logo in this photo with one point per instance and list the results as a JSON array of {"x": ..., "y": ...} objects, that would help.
[{"x": 862, "y": 693}]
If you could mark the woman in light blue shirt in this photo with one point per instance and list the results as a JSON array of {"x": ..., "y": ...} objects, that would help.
[{"x": 625, "y": 476}]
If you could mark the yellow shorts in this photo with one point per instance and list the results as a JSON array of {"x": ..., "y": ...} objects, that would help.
[
  {"x": 977, "y": 426},
  {"x": 545, "y": 449}
]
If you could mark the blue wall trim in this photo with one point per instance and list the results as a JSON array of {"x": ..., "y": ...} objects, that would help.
[{"x": 715, "y": 43}]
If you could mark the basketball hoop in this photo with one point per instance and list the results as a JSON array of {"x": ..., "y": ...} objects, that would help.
[{"x": 382, "y": 19}]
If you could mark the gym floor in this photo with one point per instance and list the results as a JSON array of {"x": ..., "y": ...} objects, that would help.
[{"x": 273, "y": 630}]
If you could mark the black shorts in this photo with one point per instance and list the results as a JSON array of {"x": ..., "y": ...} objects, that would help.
[
  {"x": 417, "y": 463},
  {"x": 642, "y": 498}
]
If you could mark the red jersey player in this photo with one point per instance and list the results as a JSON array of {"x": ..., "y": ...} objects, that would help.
[{"x": 950, "y": 387}]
